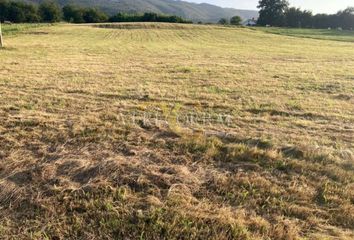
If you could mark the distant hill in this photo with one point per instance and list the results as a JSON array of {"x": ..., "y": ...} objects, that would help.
[{"x": 196, "y": 12}]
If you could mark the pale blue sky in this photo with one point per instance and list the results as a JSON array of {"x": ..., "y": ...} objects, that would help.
[{"x": 317, "y": 6}]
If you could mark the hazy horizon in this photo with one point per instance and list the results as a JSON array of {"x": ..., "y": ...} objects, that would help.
[{"x": 317, "y": 6}]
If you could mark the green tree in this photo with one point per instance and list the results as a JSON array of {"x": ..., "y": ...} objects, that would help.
[
  {"x": 295, "y": 17},
  {"x": 4, "y": 10},
  {"x": 31, "y": 13},
  {"x": 50, "y": 11},
  {"x": 307, "y": 19},
  {"x": 15, "y": 12},
  {"x": 73, "y": 14},
  {"x": 346, "y": 18},
  {"x": 18, "y": 12},
  {"x": 223, "y": 21},
  {"x": 92, "y": 15},
  {"x": 150, "y": 17},
  {"x": 236, "y": 20},
  {"x": 272, "y": 12}
]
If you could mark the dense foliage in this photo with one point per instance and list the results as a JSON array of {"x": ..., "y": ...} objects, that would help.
[
  {"x": 146, "y": 17},
  {"x": 236, "y": 20},
  {"x": 272, "y": 12},
  {"x": 73, "y": 14},
  {"x": 223, "y": 21},
  {"x": 18, "y": 12},
  {"x": 184, "y": 9},
  {"x": 49, "y": 11},
  {"x": 278, "y": 13},
  {"x": 295, "y": 17}
]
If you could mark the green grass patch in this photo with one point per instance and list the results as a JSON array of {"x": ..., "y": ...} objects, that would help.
[
  {"x": 325, "y": 34},
  {"x": 12, "y": 29}
]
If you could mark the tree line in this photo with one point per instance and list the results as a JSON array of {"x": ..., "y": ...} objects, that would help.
[
  {"x": 146, "y": 17},
  {"x": 279, "y": 13},
  {"x": 272, "y": 12},
  {"x": 50, "y": 11},
  {"x": 235, "y": 20}
]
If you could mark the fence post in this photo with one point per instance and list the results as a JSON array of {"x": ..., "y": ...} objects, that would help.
[{"x": 1, "y": 41}]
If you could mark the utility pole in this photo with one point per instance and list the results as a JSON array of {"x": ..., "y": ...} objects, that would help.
[{"x": 1, "y": 42}]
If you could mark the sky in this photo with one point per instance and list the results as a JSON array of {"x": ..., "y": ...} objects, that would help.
[{"x": 317, "y": 6}]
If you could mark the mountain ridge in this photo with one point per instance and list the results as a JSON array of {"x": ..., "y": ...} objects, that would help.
[{"x": 193, "y": 11}]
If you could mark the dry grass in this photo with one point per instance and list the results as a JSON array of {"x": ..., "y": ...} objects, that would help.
[{"x": 262, "y": 149}]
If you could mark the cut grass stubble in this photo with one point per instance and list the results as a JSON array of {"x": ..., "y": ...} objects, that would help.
[{"x": 70, "y": 167}]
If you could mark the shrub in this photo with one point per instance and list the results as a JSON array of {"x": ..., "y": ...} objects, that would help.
[
  {"x": 236, "y": 20},
  {"x": 223, "y": 21},
  {"x": 50, "y": 11}
]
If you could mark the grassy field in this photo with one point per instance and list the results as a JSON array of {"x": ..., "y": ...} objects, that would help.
[
  {"x": 12, "y": 29},
  {"x": 159, "y": 131},
  {"x": 325, "y": 34}
]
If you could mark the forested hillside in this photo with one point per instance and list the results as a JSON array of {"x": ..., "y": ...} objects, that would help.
[{"x": 202, "y": 12}]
